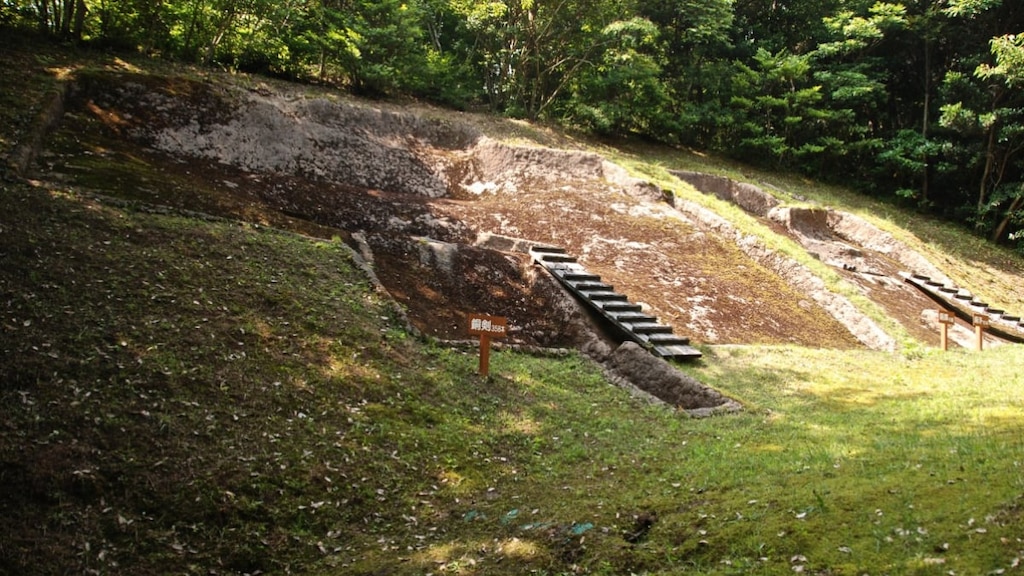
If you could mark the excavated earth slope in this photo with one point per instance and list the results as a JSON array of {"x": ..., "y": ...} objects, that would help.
[
  {"x": 424, "y": 197},
  {"x": 402, "y": 179}
]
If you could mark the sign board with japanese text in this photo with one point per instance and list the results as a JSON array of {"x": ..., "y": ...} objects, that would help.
[
  {"x": 493, "y": 326},
  {"x": 487, "y": 327},
  {"x": 946, "y": 319},
  {"x": 980, "y": 322}
]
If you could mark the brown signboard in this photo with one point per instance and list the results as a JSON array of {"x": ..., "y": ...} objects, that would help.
[
  {"x": 946, "y": 317},
  {"x": 980, "y": 323},
  {"x": 487, "y": 327},
  {"x": 493, "y": 326}
]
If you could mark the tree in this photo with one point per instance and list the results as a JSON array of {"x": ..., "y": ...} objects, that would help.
[
  {"x": 61, "y": 18},
  {"x": 984, "y": 110},
  {"x": 1001, "y": 128},
  {"x": 530, "y": 51},
  {"x": 779, "y": 105},
  {"x": 691, "y": 51},
  {"x": 622, "y": 93},
  {"x": 774, "y": 25}
]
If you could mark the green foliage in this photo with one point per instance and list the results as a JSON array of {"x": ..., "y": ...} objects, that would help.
[
  {"x": 1008, "y": 51},
  {"x": 623, "y": 94},
  {"x": 959, "y": 8},
  {"x": 781, "y": 106},
  {"x": 905, "y": 159},
  {"x": 856, "y": 33}
]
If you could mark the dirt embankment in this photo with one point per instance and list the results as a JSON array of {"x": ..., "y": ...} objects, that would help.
[{"x": 418, "y": 191}]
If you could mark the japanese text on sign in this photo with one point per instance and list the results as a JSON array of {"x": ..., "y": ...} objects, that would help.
[{"x": 489, "y": 325}]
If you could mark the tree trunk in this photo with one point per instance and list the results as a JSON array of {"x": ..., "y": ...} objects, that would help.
[
  {"x": 926, "y": 119},
  {"x": 44, "y": 16},
  {"x": 222, "y": 30},
  {"x": 1000, "y": 231},
  {"x": 79, "y": 27},
  {"x": 990, "y": 158},
  {"x": 190, "y": 32},
  {"x": 66, "y": 18}
]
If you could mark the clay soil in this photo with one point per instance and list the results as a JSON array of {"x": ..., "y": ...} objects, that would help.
[{"x": 423, "y": 249}]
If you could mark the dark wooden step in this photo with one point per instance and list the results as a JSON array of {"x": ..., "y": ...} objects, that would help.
[
  {"x": 617, "y": 308},
  {"x": 579, "y": 277},
  {"x": 963, "y": 304},
  {"x": 677, "y": 352},
  {"x": 634, "y": 317},
  {"x": 604, "y": 296},
  {"x": 547, "y": 250},
  {"x": 556, "y": 258},
  {"x": 665, "y": 339},
  {"x": 591, "y": 285},
  {"x": 648, "y": 327}
]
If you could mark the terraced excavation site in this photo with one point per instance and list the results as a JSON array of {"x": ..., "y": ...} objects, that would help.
[{"x": 445, "y": 214}]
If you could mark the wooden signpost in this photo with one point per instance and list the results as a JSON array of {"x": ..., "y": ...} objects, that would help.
[
  {"x": 487, "y": 327},
  {"x": 980, "y": 323},
  {"x": 946, "y": 319}
]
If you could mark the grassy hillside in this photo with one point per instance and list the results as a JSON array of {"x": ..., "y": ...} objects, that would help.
[{"x": 185, "y": 395}]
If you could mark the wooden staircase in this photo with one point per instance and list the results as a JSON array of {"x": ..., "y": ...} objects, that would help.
[
  {"x": 628, "y": 318},
  {"x": 965, "y": 305}
]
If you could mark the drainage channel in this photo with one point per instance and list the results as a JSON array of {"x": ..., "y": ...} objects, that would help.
[{"x": 629, "y": 318}]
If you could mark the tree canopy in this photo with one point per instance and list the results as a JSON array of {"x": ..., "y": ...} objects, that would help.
[{"x": 916, "y": 100}]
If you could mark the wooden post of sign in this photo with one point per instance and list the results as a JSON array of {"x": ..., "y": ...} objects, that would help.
[
  {"x": 946, "y": 320},
  {"x": 487, "y": 327},
  {"x": 980, "y": 323},
  {"x": 485, "y": 355}
]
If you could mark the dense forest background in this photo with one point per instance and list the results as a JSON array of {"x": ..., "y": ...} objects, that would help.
[{"x": 918, "y": 101}]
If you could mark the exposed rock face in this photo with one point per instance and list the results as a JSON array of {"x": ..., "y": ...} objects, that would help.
[
  {"x": 315, "y": 138},
  {"x": 746, "y": 196},
  {"x": 421, "y": 189},
  {"x": 813, "y": 224}
]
